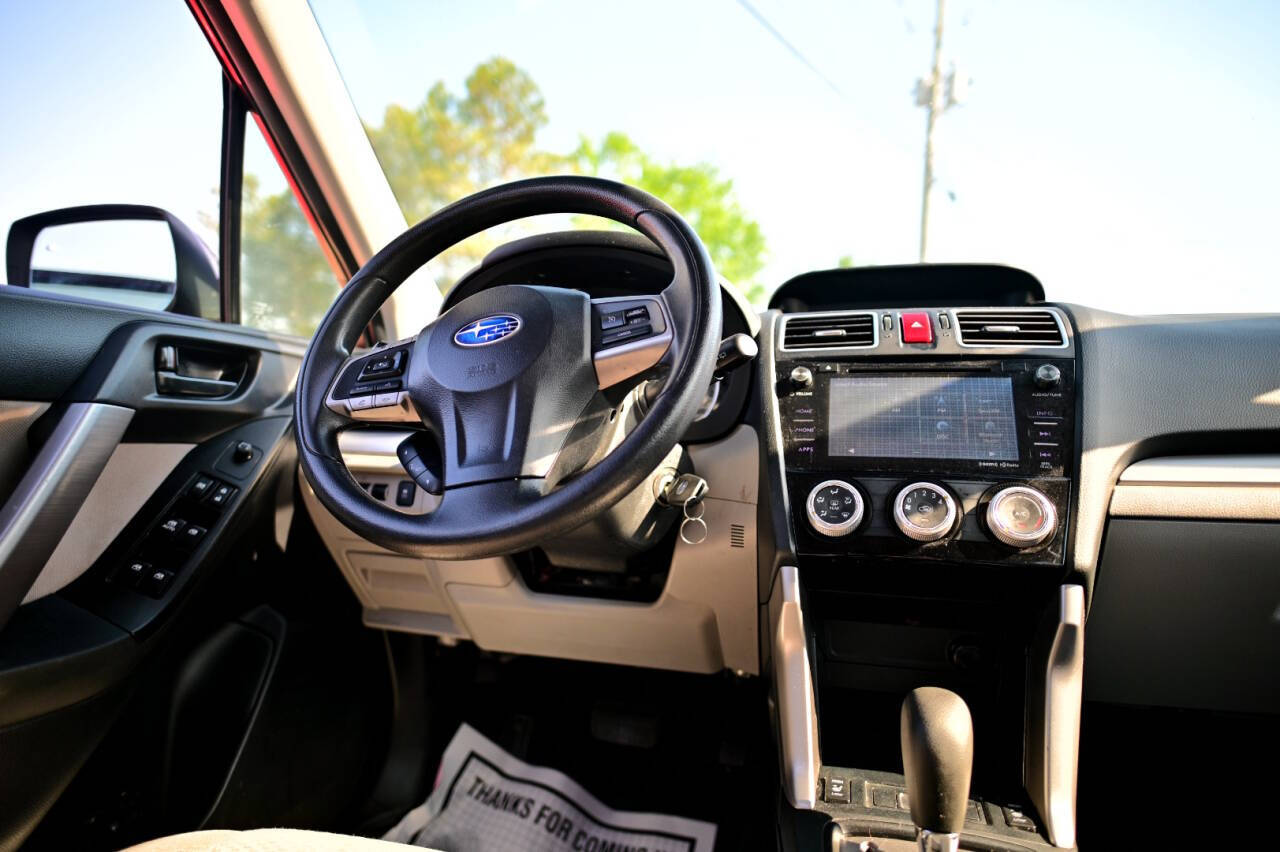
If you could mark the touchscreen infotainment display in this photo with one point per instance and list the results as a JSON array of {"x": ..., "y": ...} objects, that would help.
[{"x": 922, "y": 416}]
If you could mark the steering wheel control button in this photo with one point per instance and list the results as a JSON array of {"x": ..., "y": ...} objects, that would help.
[
  {"x": 1021, "y": 516},
  {"x": 627, "y": 332},
  {"x": 924, "y": 511},
  {"x": 916, "y": 327},
  {"x": 360, "y": 403},
  {"x": 612, "y": 319},
  {"x": 384, "y": 399},
  {"x": 636, "y": 315},
  {"x": 381, "y": 366},
  {"x": 834, "y": 508}
]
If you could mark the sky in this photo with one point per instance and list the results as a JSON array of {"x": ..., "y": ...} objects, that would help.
[{"x": 1124, "y": 153}]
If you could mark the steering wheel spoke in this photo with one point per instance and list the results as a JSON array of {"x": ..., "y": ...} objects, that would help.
[
  {"x": 371, "y": 386},
  {"x": 630, "y": 335}
]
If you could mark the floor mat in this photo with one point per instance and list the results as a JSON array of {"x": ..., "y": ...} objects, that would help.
[{"x": 486, "y": 799}]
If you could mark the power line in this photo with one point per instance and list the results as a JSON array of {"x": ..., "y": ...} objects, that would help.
[{"x": 791, "y": 48}]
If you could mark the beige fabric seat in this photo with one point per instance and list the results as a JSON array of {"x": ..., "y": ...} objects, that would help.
[{"x": 266, "y": 840}]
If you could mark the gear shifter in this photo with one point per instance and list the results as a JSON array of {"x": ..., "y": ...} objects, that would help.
[{"x": 937, "y": 757}]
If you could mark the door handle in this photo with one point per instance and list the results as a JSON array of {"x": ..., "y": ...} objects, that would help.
[{"x": 173, "y": 384}]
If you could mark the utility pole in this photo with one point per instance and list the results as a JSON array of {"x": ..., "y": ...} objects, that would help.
[{"x": 936, "y": 94}]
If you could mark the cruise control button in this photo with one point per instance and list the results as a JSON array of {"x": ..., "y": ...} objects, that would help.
[
  {"x": 612, "y": 319},
  {"x": 359, "y": 403},
  {"x": 634, "y": 315},
  {"x": 382, "y": 400},
  {"x": 629, "y": 332}
]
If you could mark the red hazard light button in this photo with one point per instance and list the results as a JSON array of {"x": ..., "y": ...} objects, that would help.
[{"x": 916, "y": 328}]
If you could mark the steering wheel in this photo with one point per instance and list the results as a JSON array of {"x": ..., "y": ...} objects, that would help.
[{"x": 510, "y": 383}]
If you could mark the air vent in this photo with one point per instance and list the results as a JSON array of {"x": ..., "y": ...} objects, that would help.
[
  {"x": 737, "y": 535},
  {"x": 1009, "y": 328},
  {"x": 828, "y": 331}
]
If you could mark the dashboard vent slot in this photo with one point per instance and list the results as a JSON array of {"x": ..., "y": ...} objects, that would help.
[
  {"x": 1009, "y": 328},
  {"x": 829, "y": 331},
  {"x": 737, "y": 535}
]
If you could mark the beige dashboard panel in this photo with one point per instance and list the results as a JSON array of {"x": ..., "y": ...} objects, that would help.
[
  {"x": 704, "y": 621},
  {"x": 1243, "y": 488}
]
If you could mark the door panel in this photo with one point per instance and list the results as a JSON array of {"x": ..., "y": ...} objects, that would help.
[{"x": 98, "y": 456}]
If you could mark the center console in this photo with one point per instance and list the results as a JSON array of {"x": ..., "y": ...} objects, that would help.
[
  {"x": 928, "y": 464},
  {"x": 920, "y": 458}
]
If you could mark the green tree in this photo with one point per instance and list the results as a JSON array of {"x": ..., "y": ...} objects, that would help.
[
  {"x": 286, "y": 281},
  {"x": 453, "y": 144}
]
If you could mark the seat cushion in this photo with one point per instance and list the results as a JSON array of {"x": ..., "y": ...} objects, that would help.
[{"x": 266, "y": 840}]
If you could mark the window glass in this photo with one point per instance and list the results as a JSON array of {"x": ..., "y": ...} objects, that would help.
[
  {"x": 286, "y": 283},
  {"x": 109, "y": 105},
  {"x": 1123, "y": 153}
]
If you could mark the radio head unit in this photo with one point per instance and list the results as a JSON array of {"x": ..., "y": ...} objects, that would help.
[{"x": 1007, "y": 418}]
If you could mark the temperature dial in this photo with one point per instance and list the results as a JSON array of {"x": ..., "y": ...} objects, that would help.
[
  {"x": 834, "y": 508},
  {"x": 1021, "y": 516},
  {"x": 924, "y": 511}
]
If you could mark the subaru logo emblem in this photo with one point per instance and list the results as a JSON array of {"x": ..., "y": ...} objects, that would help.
[{"x": 488, "y": 330}]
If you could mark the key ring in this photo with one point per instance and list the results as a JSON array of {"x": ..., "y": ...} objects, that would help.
[{"x": 690, "y": 520}]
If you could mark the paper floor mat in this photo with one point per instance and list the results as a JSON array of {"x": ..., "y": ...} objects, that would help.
[{"x": 485, "y": 799}]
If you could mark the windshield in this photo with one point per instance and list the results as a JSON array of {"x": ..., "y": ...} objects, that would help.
[{"x": 1122, "y": 153}]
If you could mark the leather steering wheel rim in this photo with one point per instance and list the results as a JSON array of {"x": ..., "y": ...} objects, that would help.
[{"x": 501, "y": 517}]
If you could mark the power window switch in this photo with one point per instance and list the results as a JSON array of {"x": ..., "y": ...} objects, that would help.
[
  {"x": 202, "y": 486},
  {"x": 172, "y": 527},
  {"x": 221, "y": 495},
  {"x": 156, "y": 583},
  {"x": 133, "y": 573},
  {"x": 192, "y": 536}
]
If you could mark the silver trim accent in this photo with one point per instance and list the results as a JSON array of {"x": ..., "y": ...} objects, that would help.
[
  {"x": 1053, "y": 716},
  {"x": 1015, "y": 538},
  {"x": 1054, "y": 312},
  {"x": 937, "y": 841},
  {"x": 826, "y": 527},
  {"x": 401, "y": 411},
  {"x": 51, "y": 492},
  {"x": 915, "y": 531},
  {"x": 793, "y": 687},
  {"x": 476, "y": 323},
  {"x": 875, "y": 331},
  {"x": 1204, "y": 470},
  {"x": 618, "y": 363}
]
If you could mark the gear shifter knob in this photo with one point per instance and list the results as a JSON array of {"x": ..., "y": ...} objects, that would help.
[{"x": 937, "y": 757}]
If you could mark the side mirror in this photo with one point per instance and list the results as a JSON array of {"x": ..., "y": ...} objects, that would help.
[{"x": 129, "y": 254}]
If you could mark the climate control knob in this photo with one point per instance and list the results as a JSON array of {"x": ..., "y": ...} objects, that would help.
[
  {"x": 1021, "y": 516},
  {"x": 834, "y": 508},
  {"x": 924, "y": 511}
]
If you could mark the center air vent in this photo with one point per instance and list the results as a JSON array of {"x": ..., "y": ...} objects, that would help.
[
  {"x": 1009, "y": 328},
  {"x": 828, "y": 331}
]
